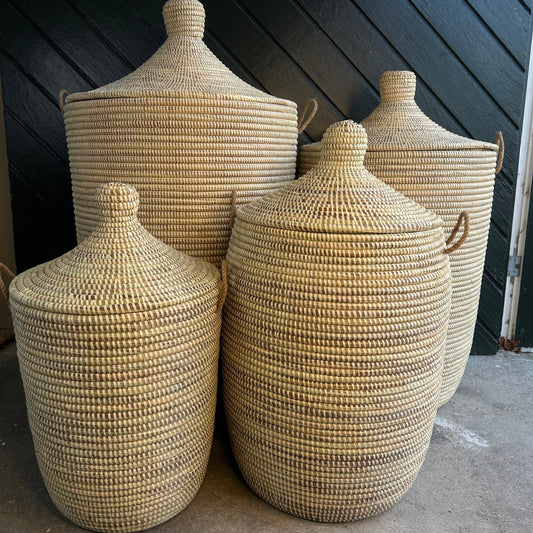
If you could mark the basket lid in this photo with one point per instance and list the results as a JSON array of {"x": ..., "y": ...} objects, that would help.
[
  {"x": 398, "y": 123},
  {"x": 182, "y": 66},
  {"x": 339, "y": 195},
  {"x": 120, "y": 268}
]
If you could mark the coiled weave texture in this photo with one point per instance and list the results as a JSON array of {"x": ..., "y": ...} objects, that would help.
[
  {"x": 333, "y": 338},
  {"x": 186, "y": 132},
  {"x": 445, "y": 173},
  {"x": 118, "y": 346}
]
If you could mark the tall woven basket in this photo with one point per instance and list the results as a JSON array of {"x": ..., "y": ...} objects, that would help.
[
  {"x": 118, "y": 346},
  {"x": 447, "y": 174},
  {"x": 333, "y": 338},
  {"x": 186, "y": 132}
]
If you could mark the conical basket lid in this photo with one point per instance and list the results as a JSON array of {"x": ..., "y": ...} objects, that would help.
[
  {"x": 339, "y": 195},
  {"x": 182, "y": 66},
  {"x": 398, "y": 123},
  {"x": 119, "y": 268}
]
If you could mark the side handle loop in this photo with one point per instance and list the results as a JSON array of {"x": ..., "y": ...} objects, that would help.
[
  {"x": 62, "y": 96},
  {"x": 311, "y": 106},
  {"x": 464, "y": 218},
  {"x": 501, "y": 146},
  {"x": 3, "y": 287},
  {"x": 223, "y": 286}
]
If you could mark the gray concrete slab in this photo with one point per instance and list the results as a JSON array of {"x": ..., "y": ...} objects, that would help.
[{"x": 477, "y": 477}]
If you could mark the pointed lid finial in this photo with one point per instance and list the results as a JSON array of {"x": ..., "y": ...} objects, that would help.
[
  {"x": 119, "y": 268},
  {"x": 397, "y": 85},
  {"x": 339, "y": 195},
  {"x": 184, "y": 69},
  {"x": 184, "y": 18},
  {"x": 345, "y": 142},
  {"x": 118, "y": 201},
  {"x": 399, "y": 124}
]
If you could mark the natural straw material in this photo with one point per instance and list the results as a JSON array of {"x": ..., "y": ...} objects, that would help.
[
  {"x": 185, "y": 131},
  {"x": 118, "y": 345},
  {"x": 333, "y": 338},
  {"x": 446, "y": 173}
]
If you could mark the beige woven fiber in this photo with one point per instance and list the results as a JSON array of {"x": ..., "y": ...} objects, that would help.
[
  {"x": 185, "y": 131},
  {"x": 118, "y": 344},
  {"x": 445, "y": 173},
  {"x": 333, "y": 337}
]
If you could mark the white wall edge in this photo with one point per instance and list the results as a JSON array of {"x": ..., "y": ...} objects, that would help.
[{"x": 521, "y": 209}]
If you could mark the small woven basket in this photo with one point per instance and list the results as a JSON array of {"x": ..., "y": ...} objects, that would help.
[
  {"x": 445, "y": 173},
  {"x": 186, "y": 132},
  {"x": 333, "y": 338},
  {"x": 118, "y": 346}
]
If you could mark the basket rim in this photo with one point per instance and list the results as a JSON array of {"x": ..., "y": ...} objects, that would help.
[
  {"x": 481, "y": 146},
  {"x": 85, "y": 96},
  {"x": 162, "y": 307}
]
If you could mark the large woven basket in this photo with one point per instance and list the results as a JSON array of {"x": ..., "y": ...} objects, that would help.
[
  {"x": 118, "y": 345},
  {"x": 333, "y": 338},
  {"x": 186, "y": 132},
  {"x": 447, "y": 174}
]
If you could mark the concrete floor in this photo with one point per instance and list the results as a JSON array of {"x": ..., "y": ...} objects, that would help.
[{"x": 477, "y": 477}]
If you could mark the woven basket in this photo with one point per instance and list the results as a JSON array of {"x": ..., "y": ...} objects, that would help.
[
  {"x": 445, "y": 173},
  {"x": 118, "y": 345},
  {"x": 333, "y": 338},
  {"x": 185, "y": 131}
]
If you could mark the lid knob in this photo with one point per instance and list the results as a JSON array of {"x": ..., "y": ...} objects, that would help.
[
  {"x": 184, "y": 18},
  {"x": 397, "y": 85},
  {"x": 345, "y": 142},
  {"x": 118, "y": 201}
]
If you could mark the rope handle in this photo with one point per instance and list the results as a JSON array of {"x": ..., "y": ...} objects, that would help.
[
  {"x": 233, "y": 209},
  {"x": 501, "y": 152},
  {"x": 302, "y": 124},
  {"x": 224, "y": 286},
  {"x": 3, "y": 287},
  {"x": 464, "y": 218},
  {"x": 63, "y": 93}
]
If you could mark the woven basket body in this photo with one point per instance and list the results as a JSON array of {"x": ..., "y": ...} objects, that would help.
[
  {"x": 118, "y": 345},
  {"x": 186, "y": 132},
  {"x": 333, "y": 338},
  {"x": 445, "y": 173}
]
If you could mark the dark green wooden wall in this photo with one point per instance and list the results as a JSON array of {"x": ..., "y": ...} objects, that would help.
[
  {"x": 470, "y": 57},
  {"x": 524, "y": 323}
]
